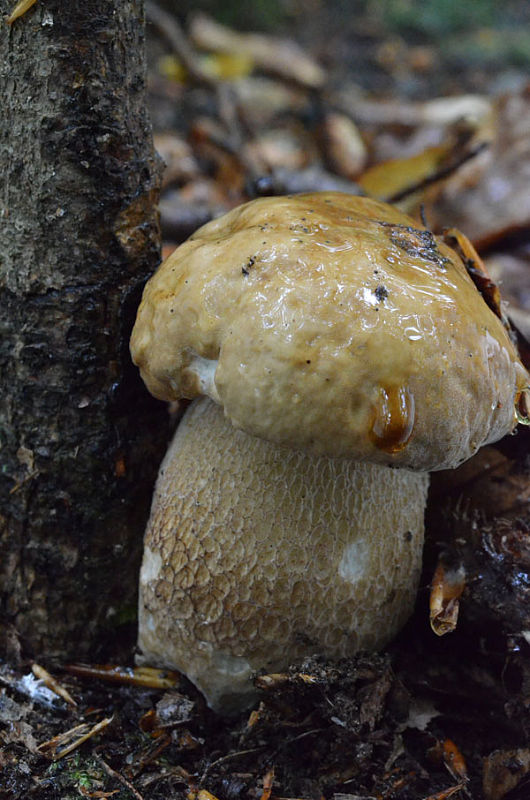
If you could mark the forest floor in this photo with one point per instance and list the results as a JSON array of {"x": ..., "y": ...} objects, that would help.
[{"x": 432, "y": 114}]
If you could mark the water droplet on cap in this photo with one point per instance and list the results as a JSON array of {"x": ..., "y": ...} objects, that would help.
[{"x": 393, "y": 418}]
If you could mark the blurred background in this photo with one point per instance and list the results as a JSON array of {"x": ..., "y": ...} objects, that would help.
[
  {"x": 475, "y": 45},
  {"x": 423, "y": 104}
]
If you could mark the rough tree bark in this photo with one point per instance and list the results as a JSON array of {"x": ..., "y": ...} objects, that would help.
[{"x": 80, "y": 440}]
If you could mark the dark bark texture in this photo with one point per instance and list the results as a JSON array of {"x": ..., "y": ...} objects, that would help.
[{"x": 80, "y": 440}]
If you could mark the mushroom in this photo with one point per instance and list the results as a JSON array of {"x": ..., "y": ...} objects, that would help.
[{"x": 344, "y": 352}]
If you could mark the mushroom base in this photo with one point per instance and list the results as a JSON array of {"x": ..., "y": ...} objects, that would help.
[{"x": 256, "y": 556}]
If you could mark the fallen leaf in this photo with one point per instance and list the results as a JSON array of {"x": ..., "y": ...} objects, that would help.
[
  {"x": 279, "y": 56},
  {"x": 503, "y": 770},
  {"x": 392, "y": 178},
  {"x": 446, "y": 589},
  {"x": 488, "y": 198},
  {"x": 454, "y": 760},
  {"x": 342, "y": 145}
]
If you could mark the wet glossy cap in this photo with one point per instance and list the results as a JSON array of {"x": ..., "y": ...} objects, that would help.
[{"x": 332, "y": 324}]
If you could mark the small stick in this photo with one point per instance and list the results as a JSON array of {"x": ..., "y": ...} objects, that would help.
[
  {"x": 228, "y": 758},
  {"x": 445, "y": 794},
  {"x": 19, "y": 484},
  {"x": 131, "y": 676},
  {"x": 124, "y": 782}
]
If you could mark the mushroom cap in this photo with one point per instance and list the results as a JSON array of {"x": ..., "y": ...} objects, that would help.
[{"x": 333, "y": 324}]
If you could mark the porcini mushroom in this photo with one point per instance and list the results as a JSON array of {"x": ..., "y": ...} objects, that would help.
[{"x": 337, "y": 340}]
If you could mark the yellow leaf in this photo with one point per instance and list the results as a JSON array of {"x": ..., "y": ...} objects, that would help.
[
  {"x": 390, "y": 178},
  {"x": 170, "y": 67},
  {"x": 227, "y": 66},
  {"x": 222, "y": 66}
]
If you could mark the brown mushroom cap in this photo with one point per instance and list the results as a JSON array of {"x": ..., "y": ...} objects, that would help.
[{"x": 333, "y": 324}]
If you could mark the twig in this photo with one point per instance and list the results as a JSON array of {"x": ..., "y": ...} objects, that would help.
[
  {"x": 19, "y": 484},
  {"x": 150, "y": 677},
  {"x": 159, "y": 746},
  {"x": 303, "y": 735},
  {"x": 445, "y": 794},
  {"x": 228, "y": 757},
  {"x": 124, "y": 782}
]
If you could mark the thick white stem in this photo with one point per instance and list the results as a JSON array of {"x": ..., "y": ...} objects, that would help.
[{"x": 256, "y": 555}]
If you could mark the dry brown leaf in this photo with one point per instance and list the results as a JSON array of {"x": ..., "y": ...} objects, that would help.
[
  {"x": 489, "y": 481},
  {"x": 511, "y": 270},
  {"x": 203, "y": 794},
  {"x": 454, "y": 760},
  {"x": 286, "y": 148},
  {"x": 473, "y": 109},
  {"x": 503, "y": 770},
  {"x": 20, "y": 732},
  {"x": 488, "y": 198},
  {"x": 263, "y": 99},
  {"x": 342, "y": 145},
  {"x": 446, "y": 589},
  {"x": 476, "y": 269},
  {"x": 180, "y": 163}
]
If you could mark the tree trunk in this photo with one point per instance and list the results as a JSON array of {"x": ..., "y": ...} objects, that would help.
[{"x": 80, "y": 438}]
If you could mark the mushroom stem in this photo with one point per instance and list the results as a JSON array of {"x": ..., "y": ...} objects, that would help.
[{"x": 257, "y": 555}]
